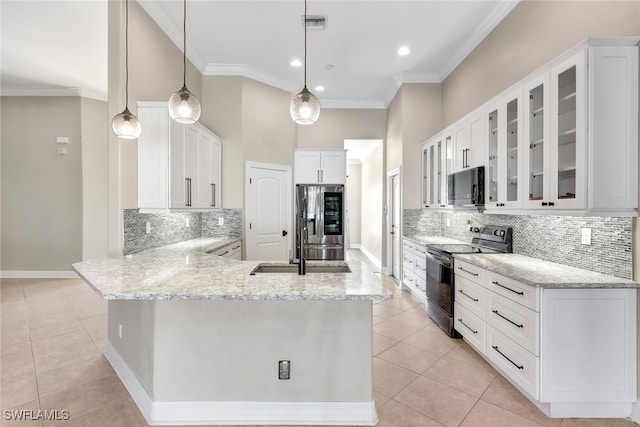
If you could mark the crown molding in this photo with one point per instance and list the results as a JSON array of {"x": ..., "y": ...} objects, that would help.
[
  {"x": 69, "y": 91},
  {"x": 494, "y": 18},
  {"x": 371, "y": 104},
  {"x": 251, "y": 73},
  {"x": 174, "y": 33}
]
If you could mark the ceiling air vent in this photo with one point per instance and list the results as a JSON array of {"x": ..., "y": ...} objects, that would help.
[{"x": 315, "y": 22}]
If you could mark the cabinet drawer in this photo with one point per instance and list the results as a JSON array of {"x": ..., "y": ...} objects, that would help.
[
  {"x": 420, "y": 251},
  {"x": 471, "y": 327},
  {"x": 516, "y": 362},
  {"x": 469, "y": 271},
  {"x": 515, "y": 291},
  {"x": 421, "y": 285},
  {"x": 409, "y": 279},
  {"x": 407, "y": 245},
  {"x": 408, "y": 258},
  {"x": 514, "y": 320},
  {"x": 421, "y": 267},
  {"x": 471, "y": 295}
]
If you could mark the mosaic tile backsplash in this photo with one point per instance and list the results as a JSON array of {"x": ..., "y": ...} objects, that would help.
[
  {"x": 168, "y": 228},
  {"x": 550, "y": 238}
]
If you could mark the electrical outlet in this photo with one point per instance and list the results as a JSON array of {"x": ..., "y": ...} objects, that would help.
[
  {"x": 186, "y": 221},
  {"x": 119, "y": 330},
  {"x": 221, "y": 221},
  {"x": 147, "y": 227},
  {"x": 586, "y": 236},
  {"x": 284, "y": 369},
  {"x": 448, "y": 222}
]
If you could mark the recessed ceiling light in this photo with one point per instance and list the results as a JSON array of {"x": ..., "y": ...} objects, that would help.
[
  {"x": 403, "y": 51},
  {"x": 319, "y": 88},
  {"x": 296, "y": 63}
]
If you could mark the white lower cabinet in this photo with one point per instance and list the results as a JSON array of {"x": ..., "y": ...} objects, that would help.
[
  {"x": 414, "y": 269},
  {"x": 571, "y": 351}
]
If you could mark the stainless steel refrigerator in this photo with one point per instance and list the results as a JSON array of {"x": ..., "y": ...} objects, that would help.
[{"x": 320, "y": 217}]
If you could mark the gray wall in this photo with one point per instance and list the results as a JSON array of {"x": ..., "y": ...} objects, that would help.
[
  {"x": 354, "y": 203},
  {"x": 41, "y": 190}
]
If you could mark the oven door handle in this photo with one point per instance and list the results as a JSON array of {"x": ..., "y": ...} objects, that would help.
[{"x": 446, "y": 261}]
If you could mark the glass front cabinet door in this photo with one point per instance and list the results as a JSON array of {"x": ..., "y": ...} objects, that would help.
[
  {"x": 555, "y": 137},
  {"x": 505, "y": 153},
  {"x": 436, "y": 164}
]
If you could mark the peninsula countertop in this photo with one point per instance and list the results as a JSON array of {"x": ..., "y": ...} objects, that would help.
[
  {"x": 186, "y": 271},
  {"x": 544, "y": 274}
]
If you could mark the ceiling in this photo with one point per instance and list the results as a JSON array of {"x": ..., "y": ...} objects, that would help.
[{"x": 56, "y": 45}]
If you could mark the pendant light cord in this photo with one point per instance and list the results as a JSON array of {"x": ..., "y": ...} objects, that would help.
[
  {"x": 126, "y": 57},
  {"x": 305, "y": 43},
  {"x": 184, "y": 45}
]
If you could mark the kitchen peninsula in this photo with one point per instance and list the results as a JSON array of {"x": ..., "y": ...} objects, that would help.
[{"x": 198, "y": 339}]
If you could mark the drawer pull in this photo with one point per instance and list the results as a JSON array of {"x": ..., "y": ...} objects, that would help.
[
  {"x": 507, "y": 319},
  {"x": 495, "y": 347},
  {"x": 495, "y": 282},
  {"x": 468, "y": 296},
  {"x": 469, "y": 272},
  {"x": 235, "y": 248},
  {"x": 466, "y": 326},
  {"x": 224, "y": 253}
]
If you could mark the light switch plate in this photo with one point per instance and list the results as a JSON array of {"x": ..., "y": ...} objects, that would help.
[{"x": 586, "y": 236}]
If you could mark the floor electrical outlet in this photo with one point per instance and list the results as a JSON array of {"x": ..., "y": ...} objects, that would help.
[{"x": 284, "y": 369}]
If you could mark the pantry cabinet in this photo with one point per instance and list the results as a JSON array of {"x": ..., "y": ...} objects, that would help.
[
  {"x": 179, "y": 166},
  {"x": 320, "y": 167}
]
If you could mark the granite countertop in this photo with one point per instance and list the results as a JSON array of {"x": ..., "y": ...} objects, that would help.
[
  {"x": 544, "y": 274},
  {"x": 425, "y": 240},
  {"x": 186, "y": 271}
]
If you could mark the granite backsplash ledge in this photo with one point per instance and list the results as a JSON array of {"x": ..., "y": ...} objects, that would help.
[
  {"x": 550, "y": 238},
  {"x": 169, "y": 228}
]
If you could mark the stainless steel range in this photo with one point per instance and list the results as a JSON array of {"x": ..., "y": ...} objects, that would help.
[{"x": 440, "y": 273}]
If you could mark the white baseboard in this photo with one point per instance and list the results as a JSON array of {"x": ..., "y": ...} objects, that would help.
[
  {"x": 240, "y": 413},
  {"x": 371, "y": 257},
  {"x": 354, "y": 246},
  {"x": 38, "y": 274}
]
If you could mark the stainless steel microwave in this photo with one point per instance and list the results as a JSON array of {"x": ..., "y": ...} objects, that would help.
[{"x": 466, "y": 188}]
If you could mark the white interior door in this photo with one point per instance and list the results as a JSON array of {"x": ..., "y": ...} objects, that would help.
[
  {"x": 395, "y": 225},
  {"x": 268, "y": 205}
]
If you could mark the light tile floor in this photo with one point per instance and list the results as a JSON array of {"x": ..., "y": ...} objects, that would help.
[{"x": 53, "y": 333}]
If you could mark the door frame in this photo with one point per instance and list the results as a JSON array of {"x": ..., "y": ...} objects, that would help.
[
  {"x": 389, "y": 212},
  {"x": 283, "y": 168}
]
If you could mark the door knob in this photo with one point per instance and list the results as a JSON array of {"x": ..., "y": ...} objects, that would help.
[{"x": 284, "y": 233}]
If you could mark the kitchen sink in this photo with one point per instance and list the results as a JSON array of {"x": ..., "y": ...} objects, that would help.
[{"x": 293, "y": 268}]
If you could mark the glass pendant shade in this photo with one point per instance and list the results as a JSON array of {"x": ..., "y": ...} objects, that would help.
[
  {"x": 305, "y": 108},
  {"x": 125, "y": 125},
  {"x": 184, "y": 106}
]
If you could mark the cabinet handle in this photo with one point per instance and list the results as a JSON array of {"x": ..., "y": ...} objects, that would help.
[
  {"x": 213, "y": 195},
  {"x": 551, "y": 203},
  {"x": 466, "y": 326},
  {"x": 233, "y": 249},
  {"x": 468, "y": 272},
  {"x": 495, "y": 282},
  {"x": 318, "y": 171},
  {"x": 187, "y": 182},
  {"x": 190, "y": 195},
  {"x": 224, "y": 253},
  {"x": 321, "y": 175},
  {"x": 468, "y": 296},
  {"x": 507, "y": 319},
  {"x": 495, "y": 347}
]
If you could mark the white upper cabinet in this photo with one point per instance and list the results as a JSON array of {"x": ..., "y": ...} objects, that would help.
[
  {"x": 437, "y": 160},
  {"x": 320, "y": 166},
  {"x": 179, "y": 166},
  {"x": 564, "y": 140},
  {"x": 469, "y": 142},
  {"x": 505, "y": 148}
]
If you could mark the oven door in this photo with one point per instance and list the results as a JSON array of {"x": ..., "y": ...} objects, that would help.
[{"x": 440, "y": 292}]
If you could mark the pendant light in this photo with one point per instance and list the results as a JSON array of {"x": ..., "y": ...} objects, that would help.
[
  {"x": 305, "y": 107},
  {"x": 184, "y": 106},
  {"x": 125, "y": 125}
]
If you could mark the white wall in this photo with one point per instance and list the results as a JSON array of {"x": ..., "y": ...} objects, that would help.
[
  {"x": 372, "y": 204},
  {"x": 354, "y": 203}
]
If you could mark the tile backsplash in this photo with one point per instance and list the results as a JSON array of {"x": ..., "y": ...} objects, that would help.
[
  {"x": 551, "y": 238},
  {"x": 168, "y": 228}
]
